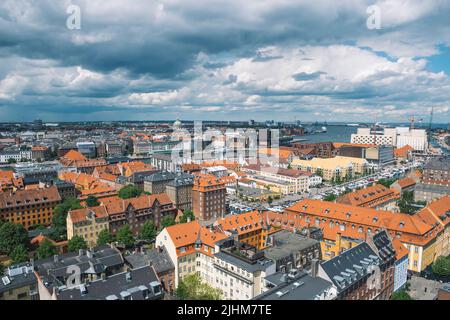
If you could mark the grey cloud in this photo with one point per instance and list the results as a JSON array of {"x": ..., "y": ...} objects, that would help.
[{"x": 303, "y": 76}]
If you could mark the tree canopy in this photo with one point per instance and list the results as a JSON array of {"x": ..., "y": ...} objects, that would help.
[
  {"x": 129, "y": 191},
  {"x": 46, "y": 249},
  {"x": 11, "y": 236},
  {"x": 386, "y": 182},
  {"x": 406, "y": 204},
  {"x": 19, "y": 254},
  {"x": 92, "y": 201},
  {"x": 125, "y": 236},
  {"x": 60, "y": 215},
  {"x": 187, "y": 214},
  {"x": 76, "y": 243},
  {"x": 193, "y": 288},
  {"x": 104, "y": 237},
  {"x": 148, "y": 231},
  {"x": 441, "y": 266},
  {"x": 331, "y": 197},
  {"x": 167, "y": 221},
  {"x": 401, "y": 295}
]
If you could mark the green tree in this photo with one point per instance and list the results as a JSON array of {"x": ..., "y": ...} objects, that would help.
[
  {"x": 407, "y": 204},
  {"x": 167, "y": 221},
  {"x": 60, "y": 215},
  {"x": 331, "y": 197},
  {"x": 386, "y": 182},
  {"x": 2, "y": 268},
  {"x": 19, "y": 254},
  {"x": 11, "y": 160},
  {"x": 76, "y": 243},
  {"x": 187, "y": 214},
  {"x": 129, "y": 191},
  {"x": 11, "y": 236},
  {"x": 92, "y": 201},
  {"x": 193, "y": 288},
  {"x": 401, "y": 295},
  {"x": 46, "y": 249},
  {"x": 441, "y": 266},
  {"x": 269, "y": 200},
  {"x": 148, "y": 231},
  {"x": 319, "y": 172},
  {"x": 125, "y": 236},
  {"x": 104, "y": 237}
]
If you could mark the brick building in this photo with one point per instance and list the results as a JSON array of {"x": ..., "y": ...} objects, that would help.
[
  {"x": 208, "y": 197},
  {"x": 317, "y": 149},
  {"x": 376, "y": 196},
  {"x": 29, "y": 207},
  {"x": 364, "y": 272},
  {"x": 136, "y": 211},
  {"x": 179, "y": 191}
]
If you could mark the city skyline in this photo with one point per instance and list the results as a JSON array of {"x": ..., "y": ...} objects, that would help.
[{"x": 284, "y": 61}]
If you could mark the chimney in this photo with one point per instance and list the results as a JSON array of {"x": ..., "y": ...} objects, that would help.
[
  {"x": 80, "y": 252},
  {"x": 314, "y": 267},
  {"x": 89, "y": 254},
  {"x": 55, "y": 258}
]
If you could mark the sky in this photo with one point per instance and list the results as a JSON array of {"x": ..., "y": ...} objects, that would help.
[{"x": 281, "y": 60}]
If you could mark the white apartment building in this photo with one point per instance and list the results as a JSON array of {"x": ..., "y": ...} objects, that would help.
[
  {"x": 191, "y": 248},
  {"x": 196, "y": 249},
  {"x": 314, "y": 179},
  {"x": 397, "y": 137},
  {"x": 16, "y": 155},
  {"x": 238, "y": 277},
  {"x": 285, "y": 181}
]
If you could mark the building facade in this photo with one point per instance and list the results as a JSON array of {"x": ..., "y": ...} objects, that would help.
[
  {"x": 376, "y": 196},
  {"x": 87, "y": 223},
  {"x": 179, "y": 191},
  {"x": 29, "y": 207},
  {"x": 208, "y": 197}
]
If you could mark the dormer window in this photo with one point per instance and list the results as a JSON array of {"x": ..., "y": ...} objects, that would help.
[{"x": 402, "y": 224}]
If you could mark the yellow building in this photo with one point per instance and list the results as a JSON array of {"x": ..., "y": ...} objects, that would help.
[
  {"x": 87, "y": 223},
  {"x": 332, "y": 248},
  {"x": 248, "y": 227},
  {"x": 29, "y": 207},
  {"x": 425, "y": 235},
  {"x": 331, "y": 168}
]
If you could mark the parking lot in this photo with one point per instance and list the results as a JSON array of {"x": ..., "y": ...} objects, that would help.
[{"x": 238, "y": 205}]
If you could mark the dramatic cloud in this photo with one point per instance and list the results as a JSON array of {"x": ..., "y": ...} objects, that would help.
[{"x": 224, "y": 59}]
